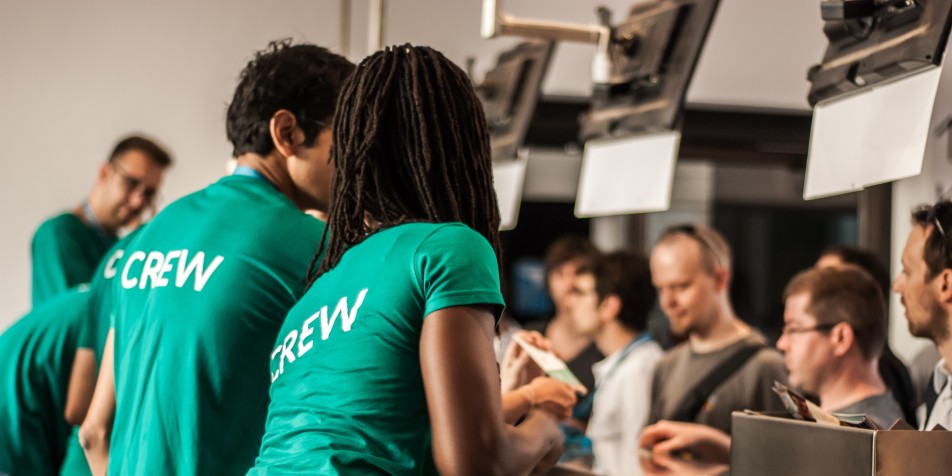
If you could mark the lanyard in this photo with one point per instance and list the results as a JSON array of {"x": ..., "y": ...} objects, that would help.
[
  {"x": 246, "y": 171},
  {"x": 583, "y": 410},
  {"x": 95, "y": 223},
  {"x": 644, "y": 337}
]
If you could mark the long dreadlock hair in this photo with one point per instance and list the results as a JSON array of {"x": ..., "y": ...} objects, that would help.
[{"x": 411, "y": 144}]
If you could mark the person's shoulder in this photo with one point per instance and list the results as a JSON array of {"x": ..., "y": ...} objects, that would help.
[
  {"x": 674, "y": 354},
  {"x": 452, "y": 231},
  {"x": 59, "y": 311},
  {"x": 445, "y": 238},
  {"x": 62, "y": 222}
]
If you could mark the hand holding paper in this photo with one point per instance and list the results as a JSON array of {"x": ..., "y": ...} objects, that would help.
[{"x": 550, "y": 364}]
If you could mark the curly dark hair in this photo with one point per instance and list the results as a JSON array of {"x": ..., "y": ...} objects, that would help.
[
  {"x": 411, "y": 144},
  {"x": 304, "y": 79}
]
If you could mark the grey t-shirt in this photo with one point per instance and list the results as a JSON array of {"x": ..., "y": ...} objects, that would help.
[
  {"x": 882, "y": 409},
  {"x": 750, "y": 387}
]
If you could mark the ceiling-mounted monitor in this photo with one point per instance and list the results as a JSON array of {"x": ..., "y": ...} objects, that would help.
[
  {"x": 509, "y": 93},
  {"x": 653, "y": 55},
  {"x": 874, "y": 41}
]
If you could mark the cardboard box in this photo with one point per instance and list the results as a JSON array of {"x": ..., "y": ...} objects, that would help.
[{"x": 768, "y": 445}]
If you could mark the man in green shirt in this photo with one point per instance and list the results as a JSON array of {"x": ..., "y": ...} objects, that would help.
[
  {"x": 204, "y": 288},
  {"x": 66, "y": 248},
  {"x": 36, "y": 355},
  {"x": 90, "y": 342}
]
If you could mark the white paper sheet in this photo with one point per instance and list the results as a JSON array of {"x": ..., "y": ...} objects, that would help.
[
  {"x": 508, "y": 179},
  {"x": 872, "y": 137},
  {"x": 630, "y": 175}
]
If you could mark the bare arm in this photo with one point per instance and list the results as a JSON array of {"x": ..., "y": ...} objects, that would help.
[
  {"x": 463, "y": 398},
  {"x": 82, "y": 382},
  {"x": 97, "y": 427}
]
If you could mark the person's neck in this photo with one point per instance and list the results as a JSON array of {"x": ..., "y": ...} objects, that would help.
[
  {"x": 274, "y": 168},
  {"x": 945, "y": 350},
  {"x": 613, "y": 337},
  {"x": 565, "y": 341},
  {"x": 98, "y": 211},
  {"x": 724, "y": 329},
  {"x": 852, "y": 380}
]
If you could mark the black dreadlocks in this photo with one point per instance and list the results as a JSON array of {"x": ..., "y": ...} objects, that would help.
[{"x": 410, "y": 145}]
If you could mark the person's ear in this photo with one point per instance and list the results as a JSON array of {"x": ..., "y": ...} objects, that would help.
[
  {"x": 944, "y": 286},
  {"x": 722, "y": 277},
  {"x": 283, "y": 128},
  {"x": 610, "y": 307},
  {"x": 842, "y": 338},
  {"x": 104, "y": 171}
]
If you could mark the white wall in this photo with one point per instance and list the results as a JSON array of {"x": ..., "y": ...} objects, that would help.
[
  {"x": 74, "y": 76},
  {"x": 77, "y": 75}
]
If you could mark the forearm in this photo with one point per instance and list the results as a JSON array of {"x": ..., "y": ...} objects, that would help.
[
  {"x": 94, "y": 438},
  {"x": 515, "y": 404},
  {"x": 82, "y": 383},
  {"x": 525, "y": 446},
  {"x": 96, "y": 431}
]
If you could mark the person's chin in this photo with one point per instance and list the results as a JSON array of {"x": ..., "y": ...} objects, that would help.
[
  {"x": 917, "y": 330},
  {"x": 680, "y": 326}
]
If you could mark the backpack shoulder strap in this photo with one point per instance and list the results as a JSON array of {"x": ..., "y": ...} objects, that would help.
[{"x": 694, "y": 400}]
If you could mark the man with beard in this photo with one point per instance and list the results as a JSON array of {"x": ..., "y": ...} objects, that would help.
[
  {"x": 925, "y": 285},
  {"x": 724, "y": 365}
]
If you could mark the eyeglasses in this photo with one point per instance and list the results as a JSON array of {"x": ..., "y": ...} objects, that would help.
[
  {"x": 582, "y": 292},
  {"x": 692, "y": 231},
  {"x": 134, "y": 184},
  {"x": 933, "y": 216},
  {"x": 790, "y": 330}
]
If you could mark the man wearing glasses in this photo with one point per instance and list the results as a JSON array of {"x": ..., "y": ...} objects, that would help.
[
  {"x": 724, "y": 365},
  {"x": 609, "y": 302},
  {"x": 67, "y": 248},
  {"x": 925, "y": 285},
  {"x": 834, "y": 330}
]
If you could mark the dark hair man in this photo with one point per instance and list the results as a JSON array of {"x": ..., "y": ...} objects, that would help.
[
  {"x": 67, "y": 248},
  {"x": 925, "y": 285},
  {"x": 562, "y": 259},
  {"x": 609, "y": 303},
  {"x": 204, "y": 288}
]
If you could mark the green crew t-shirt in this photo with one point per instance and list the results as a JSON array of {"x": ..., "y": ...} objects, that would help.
[
  {"x": 92, "y": 335},
  {"x": 200, "y": 298},
  {"x": 65, "y": 253},
  {"x": 36, "y": 358},
  {"x": 347, "y": 395}
]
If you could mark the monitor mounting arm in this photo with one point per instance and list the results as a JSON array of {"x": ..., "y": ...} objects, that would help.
[{"x": 495, "y": 23}]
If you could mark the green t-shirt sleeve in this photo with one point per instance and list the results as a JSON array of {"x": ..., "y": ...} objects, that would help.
[
  {"x": 64, "y": 254},
  {"x": 456, "y": 266},
  {"x": 50, "y": 251}
]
